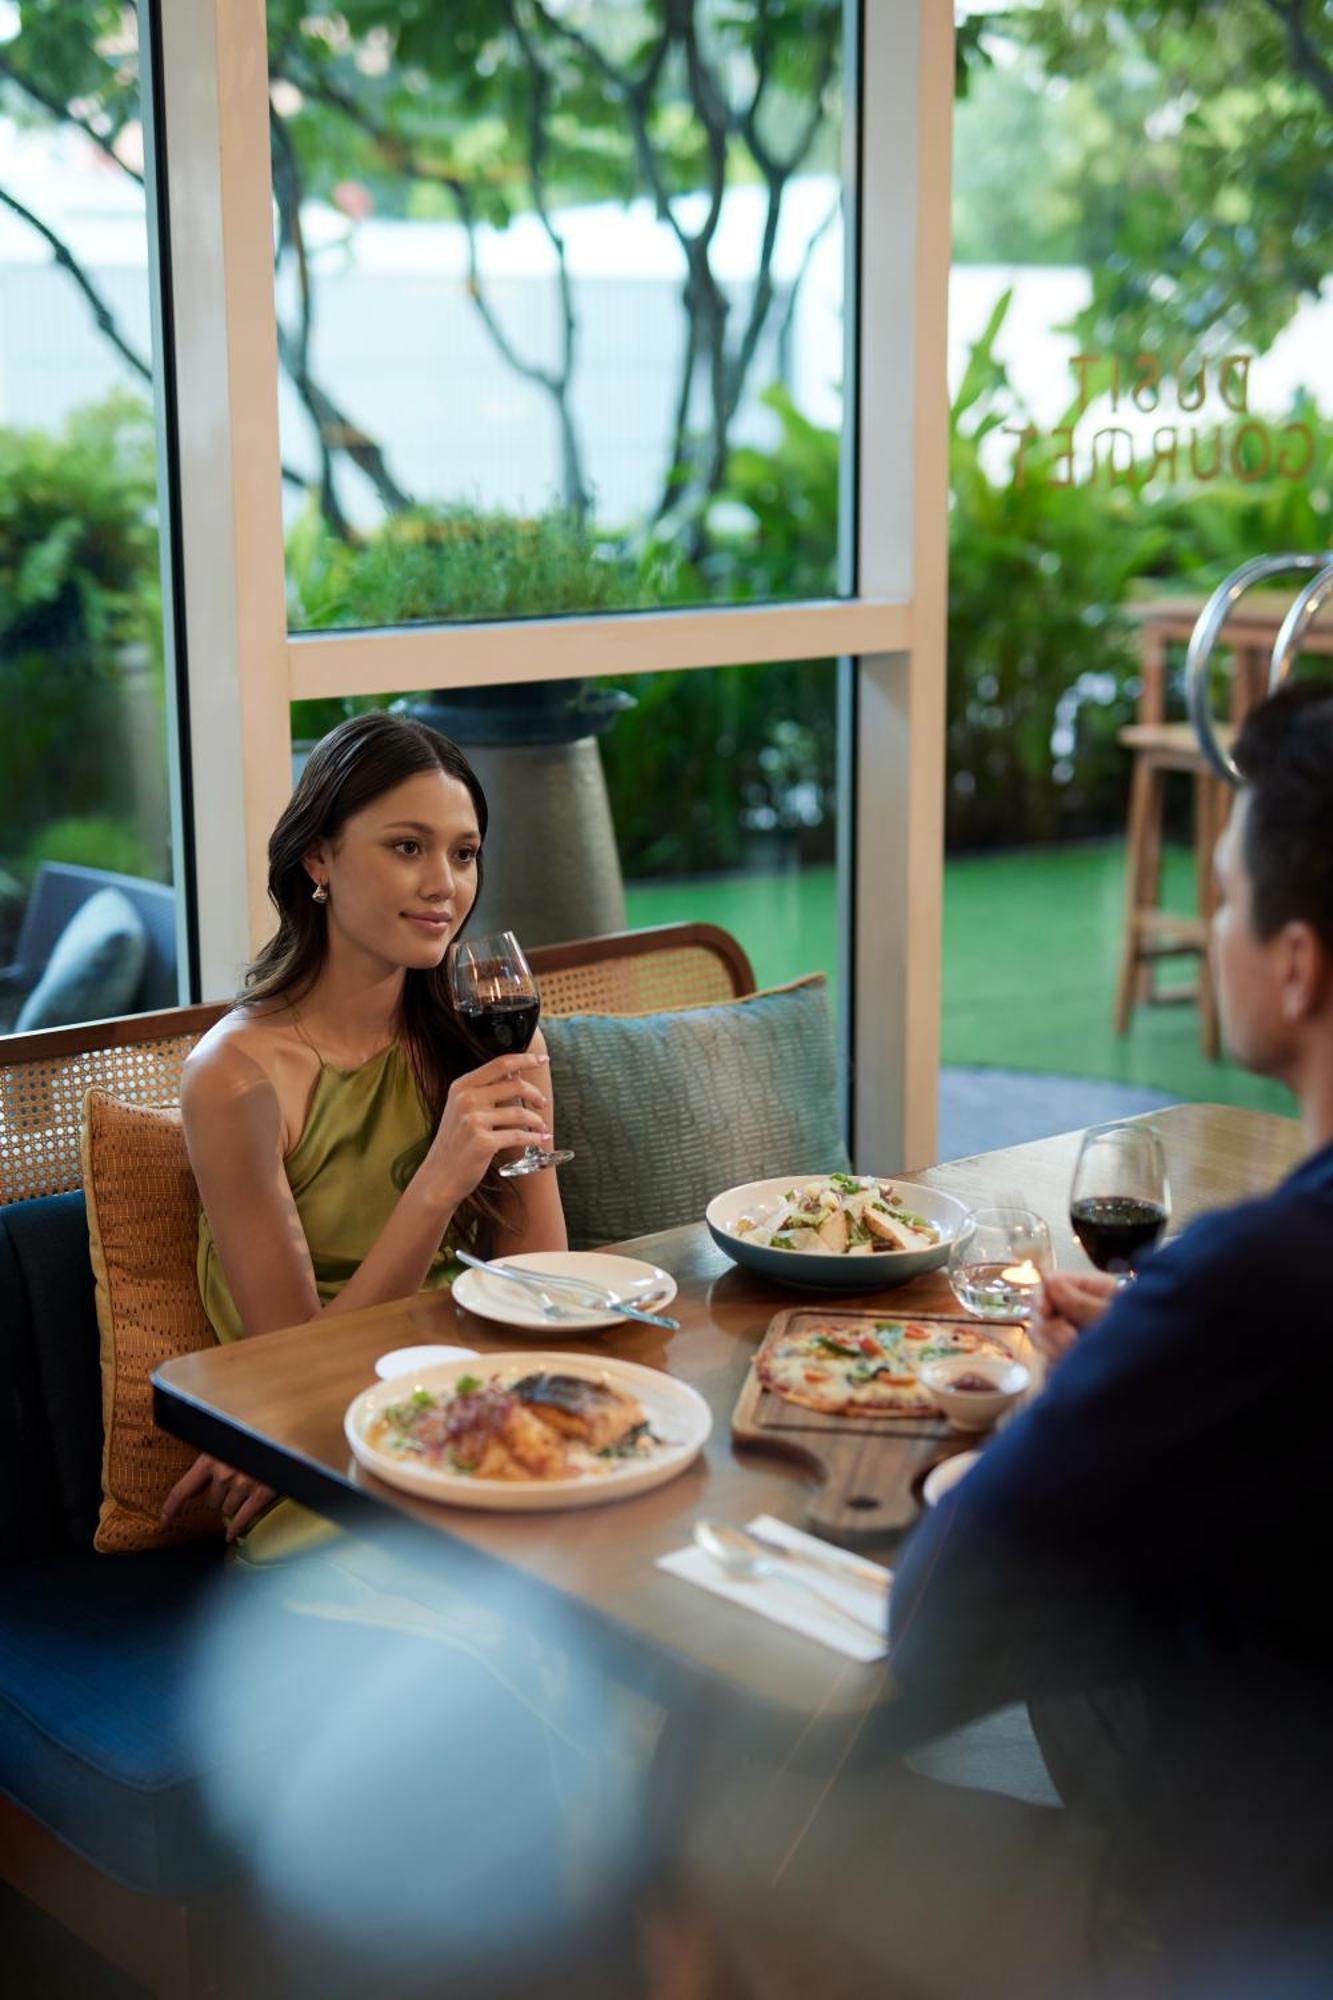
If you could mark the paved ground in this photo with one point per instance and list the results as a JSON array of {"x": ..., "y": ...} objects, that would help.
[{"x": 981, "y": 1109}]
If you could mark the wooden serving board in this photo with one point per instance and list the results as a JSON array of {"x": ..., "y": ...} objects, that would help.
[{"x": 869, "y": 1468}]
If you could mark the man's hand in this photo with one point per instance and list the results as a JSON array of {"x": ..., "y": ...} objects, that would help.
[
  {"x": 239, "y": 1499},
  {"x": 1068, "y": 1303}
]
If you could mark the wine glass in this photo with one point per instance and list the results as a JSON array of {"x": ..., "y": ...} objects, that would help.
[
  {"x": 997, "y": 1262},
  {"x": 1120, "y": 1198},
  {"x": 499, "y": 1004}
]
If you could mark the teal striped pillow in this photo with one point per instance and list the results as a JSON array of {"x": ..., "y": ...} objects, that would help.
[{"x": 665, "y": 1110}]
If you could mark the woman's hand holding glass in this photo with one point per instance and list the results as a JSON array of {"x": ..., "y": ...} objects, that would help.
[
  {"x": 488, "y": 1111},
  {"x": 499, "y": 1003}
]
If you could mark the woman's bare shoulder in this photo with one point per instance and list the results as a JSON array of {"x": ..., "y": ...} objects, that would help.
[{"x": 248, "y": 1050}]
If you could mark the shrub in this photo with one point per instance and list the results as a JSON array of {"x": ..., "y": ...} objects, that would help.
[
  {"x": 713, "y": 762},
  {"x": 445, "y": 563},
  {"x": 1043, "y": 657},
  {"x": 453, "y": 563},
  {"x": 113, "y": 844},
  {"x": 78, "y": 585},
  {"x": 1042, "y": 663},
  {"x": 78, "y": 535}
]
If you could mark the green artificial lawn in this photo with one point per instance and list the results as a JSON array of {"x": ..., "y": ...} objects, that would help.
[
  {"x": 1031, "y": 945},
  {"x": 787, "y": 923}
]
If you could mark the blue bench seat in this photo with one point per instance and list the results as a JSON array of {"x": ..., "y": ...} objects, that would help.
[
  {"x": 93, "y": 1648},
  {"x": 93, "y": 1740}
]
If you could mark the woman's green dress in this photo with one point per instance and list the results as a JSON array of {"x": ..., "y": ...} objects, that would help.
[{"x": 366, "y": 1133}]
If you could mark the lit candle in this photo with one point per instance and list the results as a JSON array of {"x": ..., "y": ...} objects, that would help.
[{"x": 1025, "y": 1273}]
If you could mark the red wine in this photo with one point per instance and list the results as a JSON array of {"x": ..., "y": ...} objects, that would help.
[
  {"x": 503, "y": 1027},
  {"x": 1114, "y": 1228}
]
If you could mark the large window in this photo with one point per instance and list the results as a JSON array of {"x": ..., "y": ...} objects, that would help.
[
  {"x": 87, "y": 908},
  {"x": 544, "y": 346},
  {"x": 1142, "y": 370},
  {"x": 559, "y": 292}
]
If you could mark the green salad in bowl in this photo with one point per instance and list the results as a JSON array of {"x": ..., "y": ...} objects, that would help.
[{"x": 836, "y": 1232}]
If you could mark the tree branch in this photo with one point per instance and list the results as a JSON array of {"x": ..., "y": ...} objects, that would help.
[
  {"x": 712, "y": 107},
  {"x": 1306, "y": 58},
  {"x": 635, "y": 94},
  {"x": 398, "y": 154},
  {"x": 295, "y": 352},
  {"x": 64, "y": 116},
  {"x": 680, "y": 429},
  {"x": 807, "y": 256},
  {"x": 761, "y": 303},
  {"x": 65, "y": 258},
  {"x": 574, "y": 483}
]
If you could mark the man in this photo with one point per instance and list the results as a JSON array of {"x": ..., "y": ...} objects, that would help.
[{"x": 1152, "y": 1535}]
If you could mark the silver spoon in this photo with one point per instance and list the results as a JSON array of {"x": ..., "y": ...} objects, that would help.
[{"x": 742, "y": 1557}]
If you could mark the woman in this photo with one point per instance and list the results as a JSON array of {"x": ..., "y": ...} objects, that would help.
[{"x": 341, "y": 1131}]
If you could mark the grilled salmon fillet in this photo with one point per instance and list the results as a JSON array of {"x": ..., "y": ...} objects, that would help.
[{"x": 577, "y": 1408}]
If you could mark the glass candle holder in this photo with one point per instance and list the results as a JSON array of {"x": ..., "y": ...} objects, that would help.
[{"x": 997, "y": 1262}]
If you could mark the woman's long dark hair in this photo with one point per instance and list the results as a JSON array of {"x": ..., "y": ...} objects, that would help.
[{"x": 349, "y": 769}]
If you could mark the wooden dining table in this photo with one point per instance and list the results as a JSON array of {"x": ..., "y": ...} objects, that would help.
[{"x": 274, "y": 1407}]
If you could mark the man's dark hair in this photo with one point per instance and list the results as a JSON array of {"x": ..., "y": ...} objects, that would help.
[{"x": 1285, "y": 754}]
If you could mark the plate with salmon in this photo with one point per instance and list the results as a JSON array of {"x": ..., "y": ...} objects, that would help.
[{"x": 519, "y": 1433}]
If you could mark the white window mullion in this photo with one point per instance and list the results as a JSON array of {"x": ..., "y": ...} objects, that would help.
[
  {"x": 906, "y": 98},
  {"x": 215, "y": 114}
]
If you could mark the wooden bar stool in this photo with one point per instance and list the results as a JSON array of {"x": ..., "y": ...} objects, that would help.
[{"x": 1161, "y": 749}]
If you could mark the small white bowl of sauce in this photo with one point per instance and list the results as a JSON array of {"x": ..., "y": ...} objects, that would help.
[{"x": 974, "y": 1390}]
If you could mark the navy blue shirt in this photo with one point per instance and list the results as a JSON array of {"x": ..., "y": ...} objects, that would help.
[{"x": 1162, "y": 1512}]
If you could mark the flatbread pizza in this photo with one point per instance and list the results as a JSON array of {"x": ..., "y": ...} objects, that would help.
[{"x": 846, "y": 1366}]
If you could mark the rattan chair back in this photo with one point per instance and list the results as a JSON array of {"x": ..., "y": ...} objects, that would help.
[
  {"x": 43, "y": 1078},
  {"x": 642, "y": 972},
  {"x": 139, "y": 1058}
]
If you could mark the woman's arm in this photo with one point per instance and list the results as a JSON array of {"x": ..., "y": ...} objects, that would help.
[{"x": 535, "y": 1221}]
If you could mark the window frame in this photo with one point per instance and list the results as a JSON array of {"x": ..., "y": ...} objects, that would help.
[{"x": 243, "y": 668}]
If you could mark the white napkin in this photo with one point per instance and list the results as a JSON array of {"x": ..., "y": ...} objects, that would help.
[{"x": 788, "y": 1602}]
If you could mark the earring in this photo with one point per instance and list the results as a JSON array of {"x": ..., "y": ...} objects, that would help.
[{"x": 320, "y": 893}]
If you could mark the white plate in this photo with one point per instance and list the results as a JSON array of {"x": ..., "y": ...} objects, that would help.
[
  {"x": 946, "y": 1475},
  {"x": 410, "y": 1360},
  {"x": 513, "y": 1305},
  {"x": 677, "y": 1413}
]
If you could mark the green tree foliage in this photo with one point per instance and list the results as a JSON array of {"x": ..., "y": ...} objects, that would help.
[
  {"x": 484, "y": 109},
  {"x": 1190, "y": 167}
]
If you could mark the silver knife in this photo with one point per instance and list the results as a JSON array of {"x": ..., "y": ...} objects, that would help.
[{"x": 595, "y": 1301}]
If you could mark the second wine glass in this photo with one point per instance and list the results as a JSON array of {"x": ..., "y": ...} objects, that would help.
[
  {"x": 1120, "y": 1198},
  {"x": 499, "y": 1004}
]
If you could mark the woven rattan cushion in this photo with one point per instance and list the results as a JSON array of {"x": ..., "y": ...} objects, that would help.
[
  {"x": 143, "y": 1218},
  {"x": 665, "y": 1110}
]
